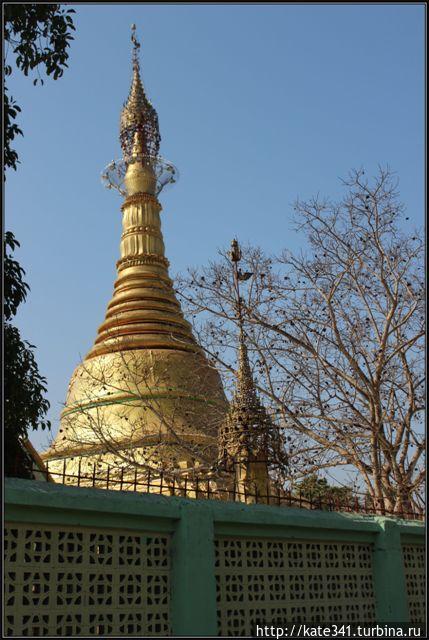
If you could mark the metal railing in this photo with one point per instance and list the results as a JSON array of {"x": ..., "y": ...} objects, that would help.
[{"x": 195, "y": 487}]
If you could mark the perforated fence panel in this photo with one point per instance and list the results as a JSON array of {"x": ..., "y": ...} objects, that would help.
[
  {"x": 70, "y": 581},
  {"x": 273, "y": 582},
  {"x": 414, "y": 564}
]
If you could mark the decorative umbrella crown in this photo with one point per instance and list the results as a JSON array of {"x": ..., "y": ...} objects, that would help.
[{"x": 138, "y": 116}]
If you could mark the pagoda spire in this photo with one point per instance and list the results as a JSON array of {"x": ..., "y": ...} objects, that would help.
[{"x": 144, "y": 311}]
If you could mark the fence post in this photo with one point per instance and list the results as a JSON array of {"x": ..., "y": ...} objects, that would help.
[
  {"x": 193, "y": 592},
  {"x": 389, "y": 575}
]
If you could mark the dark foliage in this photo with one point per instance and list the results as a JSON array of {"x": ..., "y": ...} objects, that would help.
[
  {"x": 315, "y": 488},
  {"x": 25, "y": 407},
  {"x": 39, "y": 36}
]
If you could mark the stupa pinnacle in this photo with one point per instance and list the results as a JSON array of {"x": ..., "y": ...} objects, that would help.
[
  {"x": 138, "y": 114},
  {"x": 145, "y": 391}
]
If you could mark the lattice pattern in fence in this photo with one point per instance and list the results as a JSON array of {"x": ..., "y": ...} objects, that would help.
[
  {"x": 273, "y": 582},
  {"x": 414, "y": 564},
  {"x": 66, "y": 581}
]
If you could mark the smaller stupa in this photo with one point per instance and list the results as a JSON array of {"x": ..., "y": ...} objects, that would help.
[{"x": 251, "y": 446}]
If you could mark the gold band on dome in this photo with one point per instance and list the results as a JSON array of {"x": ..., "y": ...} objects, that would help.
[{"x": 129, "y": 398}]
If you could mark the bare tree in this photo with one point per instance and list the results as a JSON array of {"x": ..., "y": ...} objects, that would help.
[{"x": 336, "y": 336}]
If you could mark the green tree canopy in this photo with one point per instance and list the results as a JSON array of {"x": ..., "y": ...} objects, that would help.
[
  {"x": 316, "y": 488},
  {"x": 25, "y": 406},
  {"x": 38, "y": 35}
]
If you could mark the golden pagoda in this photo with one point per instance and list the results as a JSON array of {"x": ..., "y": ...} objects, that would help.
[{"x": 145, "y": 397}]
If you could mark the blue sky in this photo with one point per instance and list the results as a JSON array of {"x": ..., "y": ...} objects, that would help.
[{"x": 258, "y": 105}]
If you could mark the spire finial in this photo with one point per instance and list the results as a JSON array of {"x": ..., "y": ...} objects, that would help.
[
  {"x": 235, "y": 253},
  {"x": 245, "y": 378},
  {"x": 136, "y": 47}
]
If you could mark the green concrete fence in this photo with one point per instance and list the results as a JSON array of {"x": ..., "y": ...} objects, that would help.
[{"x": 95, "y": 562}]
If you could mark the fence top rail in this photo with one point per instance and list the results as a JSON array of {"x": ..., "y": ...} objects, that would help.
[
  {"x": 411, "y": 527},
  {"x": 33, "y": 493}
]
